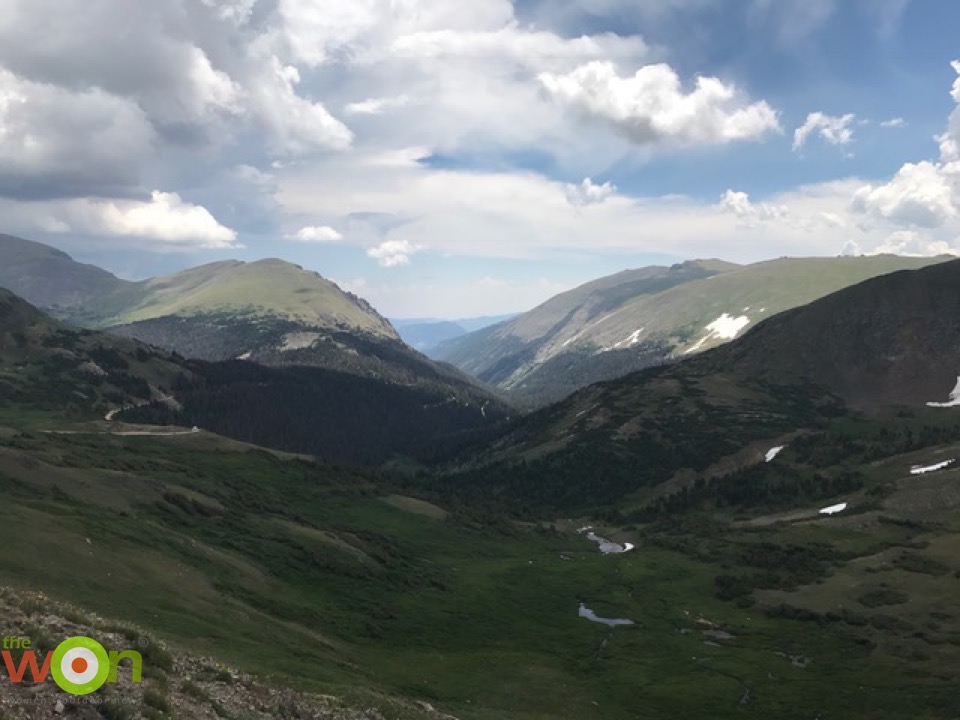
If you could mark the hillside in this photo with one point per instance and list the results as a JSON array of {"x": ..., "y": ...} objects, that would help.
[
  {"x": 46, "y": 365},
  {"x": 265, "y": 288},
  {"x": 269, "y": 312},
  {"x": 51, "y": 279},
  {"x": 248, "y": 573},
  {"x": 890, "y": 342},
  {"x": 629, "y": 321}
]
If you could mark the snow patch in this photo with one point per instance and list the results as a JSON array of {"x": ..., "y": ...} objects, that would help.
[
  {"x": 834, "y": 509},
  {"x": 724, "y": 327},
  {"x": 954, "y": 400},
  {"x": 246, "y": 356},
  {"x": 921, "y": 470},
  {"x": 773, "y": 452},
  {"x": 629, "y": 341},
  {"x": 590, "y": 615}
]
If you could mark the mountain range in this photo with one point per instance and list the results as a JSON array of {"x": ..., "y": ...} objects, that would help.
[
  {"x": 639, "y": 318},
  {"x": 268, "y": 312},
  {"x": 425, "y": 334},
  {"x": 888, "y": 344},
  {"x": 46, "y": 365},
  {"x": 767, "y": 526}
]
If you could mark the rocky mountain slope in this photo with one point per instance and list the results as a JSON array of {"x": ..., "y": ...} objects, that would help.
[
  {"x": 890, "y": 342},
  {"x": 641, "y": 318}
]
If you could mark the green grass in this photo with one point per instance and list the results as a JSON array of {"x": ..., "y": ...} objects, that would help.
[{"x": 303, "y": 573}]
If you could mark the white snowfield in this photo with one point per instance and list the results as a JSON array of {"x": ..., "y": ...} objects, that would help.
[
  {"x": 923, "y": 470},
  {"x": 724, "y": 327},
  {"x": 834, "y": 509},
  {"x": 773, "y": 452},
  {"x": 954, "y": 400}
]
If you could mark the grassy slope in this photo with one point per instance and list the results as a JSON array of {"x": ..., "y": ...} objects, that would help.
[
  {"x": 265, "y": 287},
  {"x": 544, "y": 355},
  {"x": 309, "y": 574},
  {"x": 683, "y": 313}
]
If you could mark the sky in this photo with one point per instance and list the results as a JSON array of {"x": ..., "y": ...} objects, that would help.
[{"x": 449, "y": 159}]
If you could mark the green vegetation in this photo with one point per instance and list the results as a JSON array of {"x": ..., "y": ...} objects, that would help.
[{"x": 317, "y": 578}]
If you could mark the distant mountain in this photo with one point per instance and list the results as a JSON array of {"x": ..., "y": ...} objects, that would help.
[
  {"x": 425, "y": 334},
  {"x": 47, "y": 365},
  {"x": 270, "y": 312},
  {"x": 889, "y": 343},
  {"x": 640, "y": 318},
  {"x": 49, "y": 278}
]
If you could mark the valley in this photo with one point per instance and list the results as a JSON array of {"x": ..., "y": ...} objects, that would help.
[
  {"x": 769, "y": 526},
  {"x": 316, "y": 577}
]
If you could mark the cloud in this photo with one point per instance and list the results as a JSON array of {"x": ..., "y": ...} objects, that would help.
[
  {"x": 514, "y": 215},
  {"x": 919, "y": 207},
  {"x": 296, "y": 126},
  {"x": 393, "y": 253},
  {"x": 918, "y": 195},
  {"x": 833, "y": 129},
  {"x": 897, "y": 122},
  {"x": 651, "y": 107},
  {"x": 914, "y": 244},
  {"x": 376, "y": 106},
  {"x": 316, "y": 234},
  {"x": 588, "y": 192},
  {"x": 60, "y": 143},
  {"x": 950, "y": 140},
  {"x": 739, "y": 204},
  {"x": 165, "y": 218}
]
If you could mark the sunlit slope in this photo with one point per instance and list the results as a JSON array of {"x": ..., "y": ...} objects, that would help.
[
  {"x": 263, "y": 288},
  {"x": 609, "y": 328}
]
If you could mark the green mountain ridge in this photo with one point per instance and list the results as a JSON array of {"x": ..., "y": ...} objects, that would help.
[
  {"x": 269, "y": 312},
  {"x": 637, "y": 319},
  {"x": 468, "y": 594},
  {"x": 46, "y": 365},
  {"x": 889, "y": 342}
]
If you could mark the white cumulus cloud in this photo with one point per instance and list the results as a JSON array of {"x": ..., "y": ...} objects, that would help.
[
  {"x": 833, "y": 129},
  {"x": 739, "y": 204},
  {"x": 316, "y": 234},
  {"x": 918, "y": 195},
  {"x": 588, "y": 192},
  {"x": 393, "y": 253},
  {"x": 651, "y": 106},
  {"x": 915, "y": 244},
  {"x": 166, "y": 218}
]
